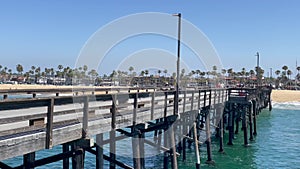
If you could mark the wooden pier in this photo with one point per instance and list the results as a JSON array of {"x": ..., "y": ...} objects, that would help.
[{"x": 31, "y": 125}]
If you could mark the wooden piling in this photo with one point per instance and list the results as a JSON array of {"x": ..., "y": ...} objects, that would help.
[
  {"x": 197, "y": 153},
  {"x": 250, "y": 121},
  {"x": 99, "y": 151},
  {"x": 208, "y": 139},
  {"x": 112, "y": 134},
  {"x": 244, "y": 123},
  {"x": 136, "y": 136},
  {"x": 221, "y": 133},
  {"x": 65, "y": 149},
  {"x": 166, "y": 153},
  {"x": 142, "y": 146},
  {"x": 230, "y": 123},
  {"x": 28, "y": 160},
  {"x": 254, "y": 107},
  {"x": 184, "y": 132},
  {"x": 166, "y": 135},
  {"x": 173, "y": 148},
  {"x": 237, "y": 124},
  {"x": 77, "y": 159}
]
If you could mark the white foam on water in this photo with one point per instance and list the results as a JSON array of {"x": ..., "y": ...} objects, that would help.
[{"x": 286, "y": 105}]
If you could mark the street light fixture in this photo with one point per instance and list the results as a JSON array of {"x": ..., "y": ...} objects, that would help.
[{"x": 178, "y": 64}]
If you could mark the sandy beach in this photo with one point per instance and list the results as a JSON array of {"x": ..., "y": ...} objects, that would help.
[{"x": 285, "y": 96}]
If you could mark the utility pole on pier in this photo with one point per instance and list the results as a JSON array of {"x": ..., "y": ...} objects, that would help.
[
  {"x": 178, "y": 63},
  {"x": 258, "y": 70}
]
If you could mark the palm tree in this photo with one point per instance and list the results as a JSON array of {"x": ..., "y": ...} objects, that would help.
[
  {"x": 243, "y": 72},
  {"x": 19, "y": 68},
  {"x": 159, "y": 72},
  {"x": 223, "y": 71},
  {"x": 60, "y": 67},
  {"x": 285, "y": 68},
  {"x": 298, "y": 69},
  {"x": 289, "y": 73},
  {"x": 230, "y": 71},
  {"x": 277, "y": 72},
  {"x": 252, "y": 72},
  {"x": 85, "y": 68},
  {"x": 142, "y": 73},
  {"x": 37, "y": 73},
  {"x": 130, "y": 69},
  {"x": 165, "y": 72},
  {"x": 32, "y": 68},
  {"x": 146, "y": 72},
  {"x": 214, "y": 71},
  {"x": 9, "y": 73}
]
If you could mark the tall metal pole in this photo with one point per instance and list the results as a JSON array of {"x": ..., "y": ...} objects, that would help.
[
  {"x": 178, "y": 63},
  {"x": 258, "y": 70}
]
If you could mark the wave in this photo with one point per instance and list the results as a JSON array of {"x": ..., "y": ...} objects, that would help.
[{"x": 286, "y": 105}]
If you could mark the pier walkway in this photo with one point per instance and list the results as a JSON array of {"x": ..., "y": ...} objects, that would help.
[{"x": 33, "y": 124}]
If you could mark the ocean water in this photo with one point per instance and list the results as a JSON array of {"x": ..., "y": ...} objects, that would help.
[{"x": 277, "y": 145}]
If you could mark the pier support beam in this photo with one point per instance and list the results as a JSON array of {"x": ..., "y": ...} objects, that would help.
[
  {"x": 250, "y": 121},
  {"x": 244, "y": 123},
  {"x": 66, "y": 163},
  {"x": 112, "y": 148},
  {"x": 28, "y": 160},
  {"x": 198, "y": 162},
  {"x": 208, "y": 139},
  {"x": 254, "y": 107},
  {"x": 136, "y": 148},
  {"x": 237, "y": 122},
  {"x": 184, "y": 132},
  {"x": 78, "y": 159},
  {"x": 142, "y": 146},
  {"x": 221, "y": 133},
  {"x": 99, "y": 151},
  {"x": 166, "y": 153},
  {"x": 173, "y": 148},
  {"x": 230, "y": 125}
]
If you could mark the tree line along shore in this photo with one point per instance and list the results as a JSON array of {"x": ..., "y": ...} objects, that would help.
[{"x": 283, "y": 78}]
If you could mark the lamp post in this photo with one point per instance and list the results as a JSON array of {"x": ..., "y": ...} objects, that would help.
[
  {"x": 178, "y": 63},
  {"x": 258, "y": 70}
]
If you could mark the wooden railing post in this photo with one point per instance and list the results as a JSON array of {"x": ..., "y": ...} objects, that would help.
[
  {"x": 152, "y": 105},
  {"x": 199, "y": 98},
  {"x": 135, "y": 137},
  {"x": 184, "y": 102},
  {"x": 166, "y": 105},
  {"x": 192, "y": 101},
  {"x": 49, "y": 126},
  {"x": 85, "y": 117},
  {"x": 112, "y": 134}
]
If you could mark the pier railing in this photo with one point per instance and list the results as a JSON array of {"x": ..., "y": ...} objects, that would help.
[{"x": 29, "y": 125}]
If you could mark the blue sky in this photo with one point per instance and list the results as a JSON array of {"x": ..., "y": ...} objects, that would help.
[{"x": 48, "y": 33}]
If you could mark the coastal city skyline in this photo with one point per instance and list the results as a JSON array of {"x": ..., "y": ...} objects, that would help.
[{"x": 47, "y": 34}]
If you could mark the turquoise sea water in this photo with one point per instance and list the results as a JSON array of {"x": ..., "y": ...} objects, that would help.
[{"x": 277, "y": 145}]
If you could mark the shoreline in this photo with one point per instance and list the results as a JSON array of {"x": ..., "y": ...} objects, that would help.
[{"x": 282, "y": 96}]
